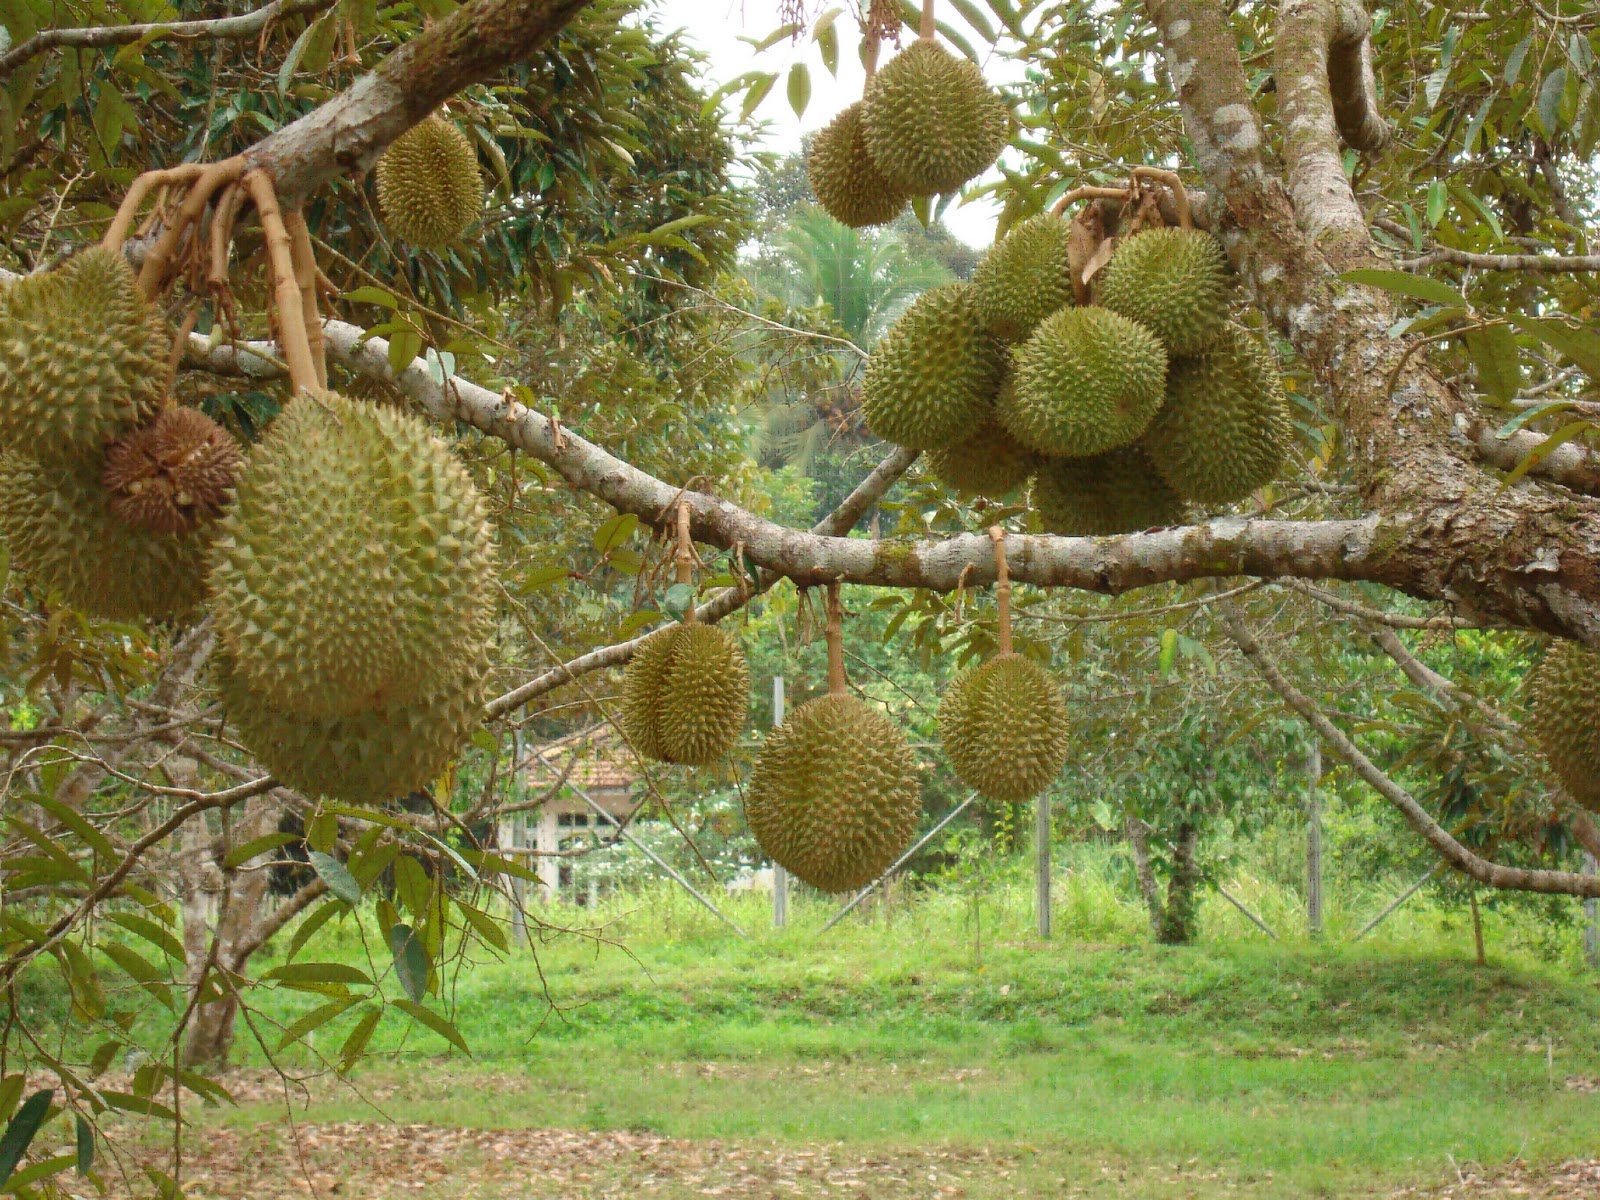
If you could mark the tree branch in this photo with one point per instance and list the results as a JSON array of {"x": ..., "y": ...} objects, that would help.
[
  {"x": 1559, "y": 264},
  {"x": 1453, "y": 852},
  {"x": 236, "y": 28}
]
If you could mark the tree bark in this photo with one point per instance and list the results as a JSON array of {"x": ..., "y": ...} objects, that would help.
[
  {"x": 1138, "y": 838},
  {"x": 1179, "y": 919}
]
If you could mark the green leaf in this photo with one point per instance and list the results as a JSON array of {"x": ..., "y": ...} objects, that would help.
[
  {"x": 1514, "y": 60},
  {"x": 85, "y": 1146},
  {"x": 322, "y": 832},
  {"x": 11, "y": 1088},
  {"x": 1438, "y": 203},
  {"x": 827, "y": 39},
  {"x": 434, "y": 1022},
  {"x": 637, "y": 621},
  {"x": 488, "y": 928},
  {"x": 543, "y": 577},
  {"x": 788, "y": 30},
  {"x": 613, "y": 532},
  {"x": 757, "y": 93},
  {"x": 692, "y": 221},
  {"x": 1550, "y": 93},
  {"x": 1468, "y": 200},
  {"x": 371, "y": 295},
  {"x": 404, "y": 345},
  {"x": 337, "y": 876},
  {"x": 1545, "y": 448},
  {"x": 1497, "y": 358},
  {"x": 1582, "y": 346},
  {"x": 40, "y": 1170},
  {"x": 1169, "y": 651},
  {"x": 1529, "y": 415},
  {"x": 627, "y": 560},
  {"x": 357, "y": 1041},
  {"x": 411, "y": 964},
  {"x": 157, "y": 935},
  {"x": 323, "y": 972},
  {"x": 315, "y": 1019},
  {"x": 677, "y": 600},
  {"x": 240, "y": 855},
  {"x": 20, "y": 1130},
  {"x": 291, "y": 62},
  {"x": 799, "y": 88},
  {"x": 308, "y": 927},
  {"x": 1419, "y": 287}
]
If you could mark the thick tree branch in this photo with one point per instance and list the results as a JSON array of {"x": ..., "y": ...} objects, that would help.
[
  {"x": 1453, "y": 852},
  {"x": 235, "y": 28},
  {"x": 346, "y": 135},
  {"x": 1326, "y": 95},
  {"x": 1569, "y": 464},
  {"x": 1555, "y": 264}
]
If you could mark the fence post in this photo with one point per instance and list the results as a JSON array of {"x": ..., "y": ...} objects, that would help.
[
  {"x": 780, "y": 877},
  {"x": 1314, "y": 840},
  {"x": 1041, "y": 863}
]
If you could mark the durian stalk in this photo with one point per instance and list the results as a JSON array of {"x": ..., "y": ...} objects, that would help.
[
  {"x": 304, "y": 260},
  {"x": 870, "y": 60},
  {"x": 117, "y": 233},
  {"x": 1088, "y": 192},
  {"x": 1002, "y": 586},
  {"x": 280, "y": 255},
  {"x": 930, "y": 28},
  {"x": 1180, "y": 196},
  {"x": 685, "y": 560},
  {"x": 838, "y": 685}
]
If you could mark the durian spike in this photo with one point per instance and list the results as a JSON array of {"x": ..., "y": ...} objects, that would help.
[
  {"x": 838, "y": 685},
  {"x": 152, "y": 275},
  {"x": 685, "y": 560},
  {"x": 1002, "y": 586},
  {"x": 305, "y": 275},
  {"x": 929, "y": 28},
  {"x": 280, "y": 258},
  {"x": 117, "y": 232},
  {"x": 1180, "y": 196}
]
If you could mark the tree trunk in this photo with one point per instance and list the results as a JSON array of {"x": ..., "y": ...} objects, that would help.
[
  {"x": 1138, "y": 837},
  {"x": 1477, "y": 931},
  {"x": 1179, "y": 920}
]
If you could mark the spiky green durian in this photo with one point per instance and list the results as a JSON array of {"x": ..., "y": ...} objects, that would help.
[
  {"x": 931, "y": 121},
  {"x": 845, "y": 180},
  {"x": 988, "y": 463},
  {"x": 685, "y": 695},
  {"x": 428, "y": 184},
  {"x": 1003, "y": 726},
  {"x": 1024, "y": 278},
  {"x": 356, "y": 558},
  {"x": 933, "y": 377},
  {"x": 367, "y": 757},
  {"x": 1115, "y": 492},
  {"x": 1087, "y": 381},
  {"x": 1225, "y": 426},
  {"x": 82, "y": 358},
  {"x": 1564, "y": 718},
  {"x": 57, "y": 522},
  {"x": 1174, "y": 282},
  {"x": 834, "y": 796}
]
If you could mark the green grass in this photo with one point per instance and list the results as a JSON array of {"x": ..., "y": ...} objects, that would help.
[{"x": 1238, "y": 1067}]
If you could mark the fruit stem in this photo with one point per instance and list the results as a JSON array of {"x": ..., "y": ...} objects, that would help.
[
  {"x": 305, "y": 276},
  {"x": 1180, "y": 196},
  {"x": 837, "y": 684},
  {"x": 929, "y": 29},
  {"x": 1002, "y": 586},
  {"x": 280, "y": 257},
  {"x": 1089, "y": 192},
  {"x": 870, "y": 61},
  {"x": 685, "y": 559},
  {"x": 206, "y": 182}
]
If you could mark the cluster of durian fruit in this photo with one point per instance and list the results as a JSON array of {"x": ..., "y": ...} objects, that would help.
[
  {"x": 1563, "y": 694},
  {"x": 348, "y": 567},
  {"x": 927, "y": 124},
  {"x": 1121, "y": 411},
  {"x": 835, "y": 794}
]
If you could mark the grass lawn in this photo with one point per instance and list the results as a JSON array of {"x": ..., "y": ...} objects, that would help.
[{"x": 883, "y": 1061}]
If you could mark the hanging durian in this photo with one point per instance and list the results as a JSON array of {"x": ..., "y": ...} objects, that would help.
[
  {"x": 1174, "y": 282},
  {"x": 174, "y": 474},
  {"x": 1025, "y": 278},
  {"x": 57, "y": 522},
  {"x": 931, "y": 121},
  {"x": 1564, "y": 718},
  {"x": 1115, "y": 492},
  {"x": 687, "y": 689},
  {"x": 834, "y": 797},
  {"x": 989, "y": 462},
  {"x": 83, "y": 358},
  {"x": 1225, "y": 426},
  {"x": 933, "y": 377},
  {"x": 1087, "y": 381},
  {"x": 1003, "y": 725},
  {"x": 429, "y": 186},
  {"x": 845, "y": 180},
  {"x": 357, "y": 558}
]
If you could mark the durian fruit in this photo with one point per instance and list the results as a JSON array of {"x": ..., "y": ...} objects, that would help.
[
  {"x": 845, "y": 180},
  {"x": 1024, "y": 278},
  {"x": 1564, "y": 718},
  {"x": 173, "y": 474},
  {"x": 685, "y": 695},
  {"x": 1174, "y": 282},
  {"x": 57, "y": 522},
  {"x": 932, "y": 378},
  {"x": 1225, "y": 426},
  {"x": 931, "y": 122},
  {"x": 429, "y": 186},
  {"x": 1087, "y": 381},
  {"x": 834, "y": 795},
  {"x": 987, "y": 463},
  {"x": 1003, "y": 726},
  {"x": 83, "y": 357},
  {"x": 356, "y": 559},
  {"x": 367, "y": 757},
  {"x": 1115, "y": 492}
]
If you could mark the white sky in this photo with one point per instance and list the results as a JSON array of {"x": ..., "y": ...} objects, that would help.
[{"x": 715, "y": 27}]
